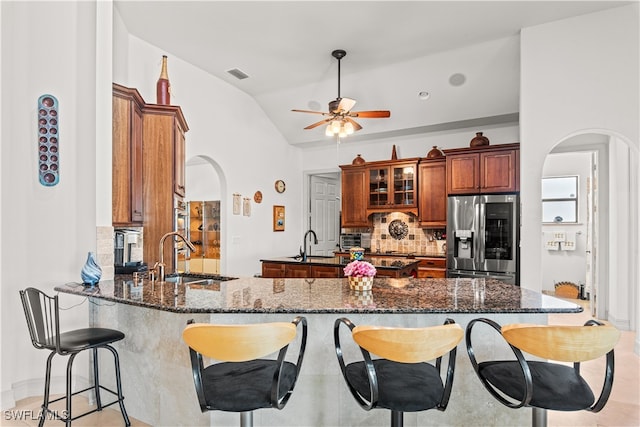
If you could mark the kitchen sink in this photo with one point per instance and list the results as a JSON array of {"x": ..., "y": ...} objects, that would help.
[{"x": 197, "y": 278}]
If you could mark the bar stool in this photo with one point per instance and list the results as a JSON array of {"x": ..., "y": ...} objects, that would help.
[
  {"x": 400, "y": 380},
  {"x": 43, "y": 320},
  {"x": 243, "y": 380},
  {"x": 542, "y": 384}
]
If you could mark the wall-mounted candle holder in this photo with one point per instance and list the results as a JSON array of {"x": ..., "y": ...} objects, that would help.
[{"x": 48, "y": 141}]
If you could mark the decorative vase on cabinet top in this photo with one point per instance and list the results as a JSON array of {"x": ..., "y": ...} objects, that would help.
[
  {"x": 91, "y": 271},
  {"x": 479, "y": 140},
  {"x": 358, "y": 160},
  {"x": 163, "y": 86},
  {"x": 435, "y": 153}
]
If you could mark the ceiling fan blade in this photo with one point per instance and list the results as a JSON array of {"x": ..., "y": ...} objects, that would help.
[
  {"x": 356, "y": 126},
  {"x": 377, "y": 114},
  {"x": 346, "y": 104},
  {"x": 310, "y": 111},
  {"x": 316, "y": 124}
]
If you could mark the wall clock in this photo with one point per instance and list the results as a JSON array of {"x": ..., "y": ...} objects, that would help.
[{"x": 280, "y": 186}]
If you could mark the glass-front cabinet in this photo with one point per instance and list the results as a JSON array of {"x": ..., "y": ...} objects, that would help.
[{"x": 392, "y": 185}]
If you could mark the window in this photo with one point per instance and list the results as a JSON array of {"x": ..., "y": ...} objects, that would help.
[{"x": 560, "y": 199}]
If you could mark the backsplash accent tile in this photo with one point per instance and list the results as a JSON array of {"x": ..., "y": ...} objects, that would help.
[{"x": 419, "y": 240}]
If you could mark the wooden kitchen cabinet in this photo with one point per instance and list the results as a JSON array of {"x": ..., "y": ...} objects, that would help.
[
  {"x": 284, "y": 270},
  {"x": 432, "y": 197},
  {"x": 392, "y": 186},
  {"x": 272, "y": 270},
  {"x": 354, "y": 203},
  {"x": 432, "y": 268},
  {"x": 490, "y": 169},
  {"x": 163, "y": 139},
  {"x": 127, "y": 183},
  {"x": 326, "y": 271}
]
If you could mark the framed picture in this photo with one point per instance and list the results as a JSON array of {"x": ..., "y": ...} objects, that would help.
[
  {"x": 236, "y": 203},
  {"x": 278, "y": 218}
]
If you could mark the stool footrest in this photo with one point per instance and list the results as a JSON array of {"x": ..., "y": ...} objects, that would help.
[{"x": 68, "y": 417}]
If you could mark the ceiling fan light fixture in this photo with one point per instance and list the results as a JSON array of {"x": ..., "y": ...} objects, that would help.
[
  {"x": 329, "y": 130},
  {"x": 348, "y": 128},
  {"x": 340, "y": 122}
]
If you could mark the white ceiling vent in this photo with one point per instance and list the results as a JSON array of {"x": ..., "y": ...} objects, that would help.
[{"x": 238, "y": 74}]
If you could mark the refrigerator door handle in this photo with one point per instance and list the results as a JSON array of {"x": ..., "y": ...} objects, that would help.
[{"x": 480, "y": 215}]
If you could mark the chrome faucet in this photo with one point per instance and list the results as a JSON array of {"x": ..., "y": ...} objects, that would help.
[
  {"x": 304, "y": 242},
  {"x": 160, "y": 265}
]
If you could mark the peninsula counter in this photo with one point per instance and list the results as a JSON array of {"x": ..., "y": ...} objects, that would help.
[{"x": 156, "y": 371}]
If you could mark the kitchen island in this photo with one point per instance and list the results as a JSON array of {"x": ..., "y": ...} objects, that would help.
[
  {"x": 156, "y": 371},
  {"x": 331, "y": 266}
]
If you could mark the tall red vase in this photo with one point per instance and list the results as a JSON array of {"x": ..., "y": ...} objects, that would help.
[{"x": 163, "y": 86}]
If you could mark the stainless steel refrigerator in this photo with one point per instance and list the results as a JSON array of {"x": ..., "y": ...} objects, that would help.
[{"x": 483, "y": 237}]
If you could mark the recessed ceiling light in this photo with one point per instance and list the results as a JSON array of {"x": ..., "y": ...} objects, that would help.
[
  {"x": 457, "y": 79},
  {"x": 424, "y": 95}
]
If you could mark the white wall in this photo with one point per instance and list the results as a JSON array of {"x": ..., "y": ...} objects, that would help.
[
  {"x": 578, "y": 75},
  {"x": 47, "y": 231}
]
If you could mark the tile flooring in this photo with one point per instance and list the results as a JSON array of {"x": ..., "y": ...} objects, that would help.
[
  {"x": 623, "y": 407},
  {"x": 29, "y": 408}
]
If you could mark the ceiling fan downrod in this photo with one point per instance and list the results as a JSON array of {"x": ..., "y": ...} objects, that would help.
[{"x": 339, "y": 54}]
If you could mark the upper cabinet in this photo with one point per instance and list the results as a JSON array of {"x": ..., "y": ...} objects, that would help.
[
  {"x": 127, "y": 203},
  {"x": 354, "y": 202},
  {"x": 148, "y": 169},
  {"x": 163, "y": 151},
  {"x": 489, "y": 169},
  {"x": 392, "y": 186},
  {"x": 432, "y": 196}
]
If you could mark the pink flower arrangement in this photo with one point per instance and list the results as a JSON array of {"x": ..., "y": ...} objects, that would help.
[{"x": 359, "y": 269}]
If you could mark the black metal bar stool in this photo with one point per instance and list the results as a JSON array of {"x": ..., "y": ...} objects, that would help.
[
  {"x": 42, "y": 313},
  {"x": 542, "y": 384},
  {"x": 400, "y": 379},
  {"x": 243, "y": 379}
]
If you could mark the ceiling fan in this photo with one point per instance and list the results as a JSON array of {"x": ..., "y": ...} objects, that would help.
[{"x": 340, "y": 117}]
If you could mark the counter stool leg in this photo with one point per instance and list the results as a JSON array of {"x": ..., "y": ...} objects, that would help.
[
  {"x": 96, "y": 379},
  {"x": 47, "y": 384},
  {"x": 69, "y": 391},
  {"x": 246, "y": 419},
  {"x": 397, "y": 419},
  {"x": 539, "y": 417},
  {"x": 116, "y": 359}
]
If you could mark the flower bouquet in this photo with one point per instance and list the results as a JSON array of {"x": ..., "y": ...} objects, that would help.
[{"x": 360, "y": 274}]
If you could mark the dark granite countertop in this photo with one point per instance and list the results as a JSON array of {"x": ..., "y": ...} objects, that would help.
[
  {"x": 340, "y": 261},
  {"x": 261, "y": 295}
]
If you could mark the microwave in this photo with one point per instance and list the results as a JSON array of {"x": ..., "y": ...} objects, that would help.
[{"x": 355, "y": 240}]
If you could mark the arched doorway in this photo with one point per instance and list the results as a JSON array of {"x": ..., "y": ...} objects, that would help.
[
  {"x": 206, "y": 193},
  {"x": 609, "y": 267}
]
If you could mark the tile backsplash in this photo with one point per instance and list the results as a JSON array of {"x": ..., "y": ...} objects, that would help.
[{"x": 417, "y": 240}]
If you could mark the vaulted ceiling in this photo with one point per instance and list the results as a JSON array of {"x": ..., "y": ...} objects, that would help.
[{"x": 462, "y": 55}]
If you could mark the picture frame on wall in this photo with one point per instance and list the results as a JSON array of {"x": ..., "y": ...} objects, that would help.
[{"x": 278, "y": 218}]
